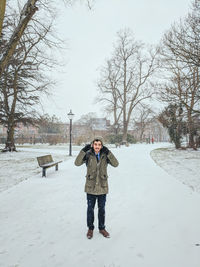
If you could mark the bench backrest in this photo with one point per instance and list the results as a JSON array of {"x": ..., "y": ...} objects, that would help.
[{"x": 44, "y": 159}]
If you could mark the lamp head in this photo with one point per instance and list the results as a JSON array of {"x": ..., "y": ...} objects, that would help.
[{"x": 70, "y": 115}]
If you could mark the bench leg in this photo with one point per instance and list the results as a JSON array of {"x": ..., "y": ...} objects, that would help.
[
  {"x": 56, "y": 167},
  {"x": 43, "y": 172}
]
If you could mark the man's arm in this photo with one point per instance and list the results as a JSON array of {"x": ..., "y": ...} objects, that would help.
[
  {"x": 81, "y": 158},
  {"x": 111, "y": 158}
]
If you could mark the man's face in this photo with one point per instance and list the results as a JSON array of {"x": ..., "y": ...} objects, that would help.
[{"x": 97, "y": 146}]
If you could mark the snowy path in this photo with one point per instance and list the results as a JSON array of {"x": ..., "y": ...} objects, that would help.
[{"x": 153, "y": 219}]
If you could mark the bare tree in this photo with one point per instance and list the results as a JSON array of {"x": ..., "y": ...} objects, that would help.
[
  {"x": 23, "y": 63},
  {"x": 108, "y": 91},
  {"x": 126, "y": 80},
  {"x": 182, "y": 85},
  {"x": 182, "y": 89},
  {"x": 141, "y": 119},
  {"x": 180, "y": 62},
  {"x": 183, "y": 39},
  {"x": 24, "y": 79}
]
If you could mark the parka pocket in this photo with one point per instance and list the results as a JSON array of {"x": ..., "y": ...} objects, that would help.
[
  {"x": 104, "y": 180},
  {"x": 90, "y": 180}
]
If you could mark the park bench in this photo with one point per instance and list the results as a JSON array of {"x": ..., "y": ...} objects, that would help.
[{"x": 47, "y": 162}]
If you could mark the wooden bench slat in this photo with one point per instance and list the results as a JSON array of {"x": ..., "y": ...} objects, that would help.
[
  {"x": 44, "y": 159},
  {"x": 50, "y": 164}
]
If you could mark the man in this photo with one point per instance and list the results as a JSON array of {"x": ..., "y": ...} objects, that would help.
[{"x": 96, "y": 156}]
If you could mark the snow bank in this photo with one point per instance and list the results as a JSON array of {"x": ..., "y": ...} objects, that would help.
[{"x": 181, "y": 164}]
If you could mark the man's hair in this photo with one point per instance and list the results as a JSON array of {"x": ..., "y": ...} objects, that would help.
[{"x": 97, "y": 140}]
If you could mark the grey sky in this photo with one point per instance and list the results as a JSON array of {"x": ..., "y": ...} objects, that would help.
[{"x": 91, "y": 34}]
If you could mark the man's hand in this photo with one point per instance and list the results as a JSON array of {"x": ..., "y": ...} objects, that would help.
[
  {"x": 105, "y": 150},
  {"x": 87, "y": 147}
]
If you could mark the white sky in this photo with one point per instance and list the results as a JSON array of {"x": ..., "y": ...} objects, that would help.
[{"x": 90, "y": 35}]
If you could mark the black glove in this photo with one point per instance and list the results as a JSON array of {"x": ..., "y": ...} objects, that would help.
[
  {"x": 105, "y": 150},
  {"x": 87, "y": 147}
]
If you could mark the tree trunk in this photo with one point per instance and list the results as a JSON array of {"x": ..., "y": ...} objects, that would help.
[
  {"x": 191, "y": 130},
  {"x": 2, "y": 13},
  {"x": 10, "y": 143},
  {"x": 125, "y": 131},
  {"x": 191, "y": 139},
  {"x": 141, "y": 134},
  {"x": 177, "y": 143},
  {"x": 26, "y": 15},
  {"x": 177, "y": 140}
]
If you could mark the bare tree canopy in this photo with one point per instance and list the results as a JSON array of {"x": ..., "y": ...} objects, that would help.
[
  {"x": 26, "y": 15},
  {"x": 183, "y": 39},
  {"x": 141, "y": 119},
  {"x": 126, "y": 78}
]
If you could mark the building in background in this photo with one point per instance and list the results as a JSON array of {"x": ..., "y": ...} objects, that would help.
[{"x": 83, "y": 133}]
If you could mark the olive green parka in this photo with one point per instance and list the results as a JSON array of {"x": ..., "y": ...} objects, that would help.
[{"x": 96, "y": 177}]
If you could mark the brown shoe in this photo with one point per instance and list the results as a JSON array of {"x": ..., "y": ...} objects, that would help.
[
  {"x": 90, "y": 234},
  {"x": 104, "y": 233}
]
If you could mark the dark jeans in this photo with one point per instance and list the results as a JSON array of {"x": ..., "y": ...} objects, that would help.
[{"x": 91, "y": 200}]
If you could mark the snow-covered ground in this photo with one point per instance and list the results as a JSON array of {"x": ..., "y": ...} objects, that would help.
[
  {"x": 21, "y": 165},
  {"x": 181, "y": 164},
  {"x": 152, "y": 217}
]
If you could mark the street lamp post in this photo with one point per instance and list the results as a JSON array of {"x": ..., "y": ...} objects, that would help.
[{"x": 70, "y": 116}]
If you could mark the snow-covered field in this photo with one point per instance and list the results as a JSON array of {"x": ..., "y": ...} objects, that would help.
[
  {"x": 152, "y": 217},
  {"x": 181, "y": 164},
  {"x": 21, "y": 165}
]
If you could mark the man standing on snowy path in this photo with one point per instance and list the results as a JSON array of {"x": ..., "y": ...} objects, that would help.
[{"x": 96, "y": 156}]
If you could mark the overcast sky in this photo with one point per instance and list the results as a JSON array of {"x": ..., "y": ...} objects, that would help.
[{"x": 90, "y": 36}]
